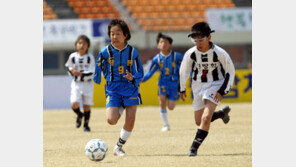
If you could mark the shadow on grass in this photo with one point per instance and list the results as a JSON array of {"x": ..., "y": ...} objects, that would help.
[{"x": 185, "y": 155}]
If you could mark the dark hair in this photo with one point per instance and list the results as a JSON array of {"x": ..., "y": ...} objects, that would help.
[
  {"x": 201, "y": 28},
  {"x": 85, "y": 38},
  {"x": 123, "y": 26},
  {"x": 160, "y": 35}
]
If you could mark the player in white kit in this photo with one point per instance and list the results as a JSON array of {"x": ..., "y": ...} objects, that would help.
[
  {"x": 81, "y": 66},
  {"x": 212, "y": 77}
]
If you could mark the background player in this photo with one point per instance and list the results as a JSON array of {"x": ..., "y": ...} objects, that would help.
[
  {"x": 81, "y": 66},
  {"x": 123, "y": 72},
  {"x": 168, "y": 63},
  {"x": 212, "y": 77}
]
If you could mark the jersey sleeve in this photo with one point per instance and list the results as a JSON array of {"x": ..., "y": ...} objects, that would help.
[
  {"x": 70, "y": 64},
  {"x": 226, "y": 62},
  {"x": 98, "y": 69},
  {"x": 152, "y": 69},
  {"x": 137, "y": 71},
  {"x": 185, "y": 70}
]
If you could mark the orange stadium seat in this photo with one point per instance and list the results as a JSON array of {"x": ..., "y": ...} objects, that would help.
[{"x": 176, "y": 15}]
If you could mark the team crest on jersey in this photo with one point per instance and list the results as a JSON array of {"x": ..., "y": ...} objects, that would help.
[
  {"x": 111, "y": 61},
  {"x": 173, "y": 64},
  {"x": 129, "y": 62},
  {"x": 160, "y": 64}
]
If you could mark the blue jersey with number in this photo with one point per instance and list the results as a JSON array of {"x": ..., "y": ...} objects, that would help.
[
  {"x": 114, "y": 63},
  {"x": 168, "y": 66}
]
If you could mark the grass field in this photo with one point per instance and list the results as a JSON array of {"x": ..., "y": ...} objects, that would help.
[{"x": 226, "y": 145}]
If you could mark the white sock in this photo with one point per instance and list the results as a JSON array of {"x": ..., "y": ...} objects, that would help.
[
  {"x": 121, "y": 109},
  {"x": 124, "y": 135},
  {"x": 164, "y": 116}
]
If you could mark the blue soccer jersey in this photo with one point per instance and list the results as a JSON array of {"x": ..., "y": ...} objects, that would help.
[
  {"x": 169, "y": 73},
  {"x": 114, "y": 63}
]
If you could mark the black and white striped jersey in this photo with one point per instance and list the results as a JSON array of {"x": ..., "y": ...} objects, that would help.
[
  {"x": 205, "y": 67},
  {"x": 84, "y": 64}
]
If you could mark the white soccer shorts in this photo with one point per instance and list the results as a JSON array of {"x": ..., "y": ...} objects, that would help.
[
  {"x": 82, "y": 92},
  {"x": 202, "y": 91}
]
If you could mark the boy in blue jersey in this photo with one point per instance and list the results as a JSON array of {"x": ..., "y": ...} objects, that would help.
[
  {"x": 168, "y": 63},
  {"x": 123, "y": 71}
]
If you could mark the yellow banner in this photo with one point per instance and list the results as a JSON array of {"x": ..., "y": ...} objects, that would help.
[{"x": 241, "y": 90}]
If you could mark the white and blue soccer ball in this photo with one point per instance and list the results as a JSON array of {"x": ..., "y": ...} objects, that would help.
[{"x": 96, "y": 149}]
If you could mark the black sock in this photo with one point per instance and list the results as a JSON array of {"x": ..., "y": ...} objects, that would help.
[
  {"x": 217, "y": 114},
  {"x": 199, "y": 138},
  {"x": 77, "y": 111},
  {"x": 86, "y": 117},
  {"x": 120, "y": 142}
]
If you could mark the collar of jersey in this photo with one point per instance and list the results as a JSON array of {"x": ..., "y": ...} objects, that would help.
[
  {"x": 164, "y": 55},
  {"x": 119, "y": 49}
]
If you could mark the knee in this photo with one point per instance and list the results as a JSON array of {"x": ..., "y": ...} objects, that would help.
[
  {"x": 75, "y": 105},
  {"x": 112, "y": 121},
  {"x": 171, "y": 107},
  {"x": 206, "y": 119},
  {"x": 86, "y": 108},
  {"x": 198, "y": 123}
]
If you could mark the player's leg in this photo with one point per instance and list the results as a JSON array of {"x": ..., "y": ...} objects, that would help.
[
  {"x": 223, "y": 114},
  {"x": 76, "y": 109},
  {"x": 113, "y": 103},
  {"x": 197, "y": 116},
  {"x": 202, "y": 132},
  {"x": 131, "y": 108},
  {"x": 171, "y": 104},
  {"x": 75, "y": 100},
  {"x": 112, "y": 115},
  {"x": 126, "y": 130},
  {"x": 87, "y": 99},
  {"x": 173, "y": 96},
  {"x": 163, "y": 112},
  {"x": 86, "y": 109}
]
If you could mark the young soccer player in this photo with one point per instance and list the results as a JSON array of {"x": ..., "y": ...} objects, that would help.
[
  {"x": 81, "y": 66},
  {"x": 168, "y": 63},
  {"x": 123, "y": 72},
  {"x": 212, "y": 77}
]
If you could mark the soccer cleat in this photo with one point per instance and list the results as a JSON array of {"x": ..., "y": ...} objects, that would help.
[
  {"x": 165, "y": 128},
  {"x": 78, "y": 120},
  {"x": 192, "y": 152},
  {"x": 226, "y": 117},
  {"x": 86, "y": 128},
  {"x": 118, "y": 151}
]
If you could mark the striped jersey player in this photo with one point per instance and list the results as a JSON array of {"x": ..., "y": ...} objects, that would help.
[
  {"x": 212, "y": 73},
  {"x": 81, "y": 65}
]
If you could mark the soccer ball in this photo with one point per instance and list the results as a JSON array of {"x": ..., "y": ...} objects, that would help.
[{"x": 96, "y": 149}]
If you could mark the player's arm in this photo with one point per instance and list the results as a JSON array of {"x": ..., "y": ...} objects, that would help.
[
  {"x": 228, "y": 66},
  {"x": 185, "y": 70},
  {"x": 70, "y": 64},
  {"x": 152, "y": 69},
  {"x": 98, "y": 69}
]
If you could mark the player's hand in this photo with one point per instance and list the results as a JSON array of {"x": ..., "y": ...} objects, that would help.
[
  {"x": 183, "y": 95},
  {"x": 142, "y": 80},
  {"x": 217, "y": 97},
  {"x": 128, "y": 76},
  {"x": 76, "y": 73}
]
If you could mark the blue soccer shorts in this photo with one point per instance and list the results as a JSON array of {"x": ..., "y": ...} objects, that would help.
[
  {"x": 169, "y": 90},
  {"x": 120, "y": 94}
]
